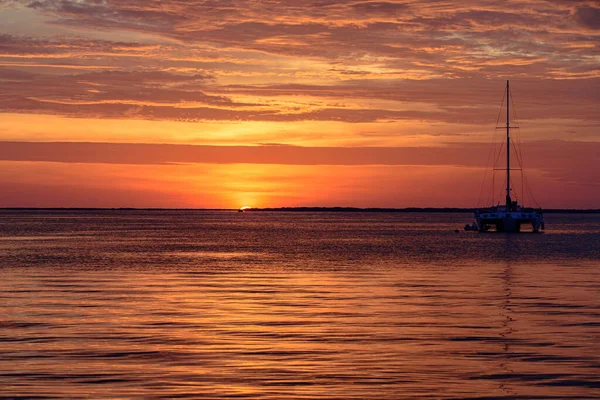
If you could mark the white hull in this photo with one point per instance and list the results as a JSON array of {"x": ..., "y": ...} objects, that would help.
[{"x": 497, "y": 218}]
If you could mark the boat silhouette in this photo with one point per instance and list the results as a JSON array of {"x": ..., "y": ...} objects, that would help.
[{"x": 508, "y": 217}]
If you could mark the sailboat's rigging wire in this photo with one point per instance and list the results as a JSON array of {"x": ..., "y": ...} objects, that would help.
[
  {"x": 518, "y": 150},
  {"x": 517, "y": 144},
  {"x": 527, "y": 187},
  {"x": 489, "y": 157},
  {"x": 522, "y": 187},
  {"x": 499, "y": 153},
  {"x": 503, "y": 184},
  {"x": 496, "y": 162},
  {"x": 493, "y": 194},
  {"x": 519, "y": 153}
]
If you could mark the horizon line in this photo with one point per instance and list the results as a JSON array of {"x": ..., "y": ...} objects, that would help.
[{"x": 290, "y": 209}]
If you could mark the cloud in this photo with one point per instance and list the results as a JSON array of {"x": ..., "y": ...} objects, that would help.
[
  {"x": 11, "y": 45},
  {"x": 170, "y": 96},
  {"x": 541, "y": 155},
  {"x": 138, "y": 77},
  {"x": 588, "y": 17},
  {"x": 75, "y": 93},
  {"x": 379, "y": 8},
  {"x": 460, "y": 100},
  {"x": 320, "y": 72},
  {"x": 358, "y": 61}
]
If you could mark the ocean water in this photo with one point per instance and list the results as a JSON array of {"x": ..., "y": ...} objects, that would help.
[{"x": 274, "y": 305}]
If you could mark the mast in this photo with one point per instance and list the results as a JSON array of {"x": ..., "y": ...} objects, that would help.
[{"x": 508, "y": 199}]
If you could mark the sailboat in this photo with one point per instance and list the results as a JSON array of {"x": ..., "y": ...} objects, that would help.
[{"x": 510, "y": 216}]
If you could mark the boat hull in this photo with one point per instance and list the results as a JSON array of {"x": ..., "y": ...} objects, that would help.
[{"x": 502, "y": 221}]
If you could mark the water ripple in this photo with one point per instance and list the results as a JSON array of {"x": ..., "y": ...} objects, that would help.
[{"x": 278, "y": 306}]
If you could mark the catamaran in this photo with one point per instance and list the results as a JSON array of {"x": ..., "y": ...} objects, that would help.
[{"x": 510, "y": 216}]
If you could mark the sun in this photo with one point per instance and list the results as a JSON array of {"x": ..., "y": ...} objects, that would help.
[{"x": 244, "y": 208}]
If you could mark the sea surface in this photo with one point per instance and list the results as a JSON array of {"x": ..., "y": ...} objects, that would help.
[{"x": 289, "y": 305}]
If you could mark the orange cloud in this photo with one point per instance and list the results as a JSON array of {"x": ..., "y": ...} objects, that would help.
[{"x": 414, "y": 77}]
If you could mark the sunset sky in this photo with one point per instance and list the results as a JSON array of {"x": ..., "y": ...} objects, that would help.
[{"x": 265, "y": 103}]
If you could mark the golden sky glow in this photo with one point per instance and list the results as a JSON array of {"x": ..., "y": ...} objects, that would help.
[{"x": 276, "y": 93}]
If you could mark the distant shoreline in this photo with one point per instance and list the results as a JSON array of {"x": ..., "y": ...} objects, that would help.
[{"x": 301, "y": 209}]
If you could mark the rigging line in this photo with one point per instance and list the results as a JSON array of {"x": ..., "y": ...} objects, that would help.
[
  {"x": 531, "y": 195},
  {"x": 530, "y": 192},
  {"x": 522, "y": 188},
  {"x": 520, "y": 162},
  {"x": 514, "y": 119},
  {"x": 519, "y": 148},
  {"x": 499, "y": 153},
  {"x": 516, "y": 144},
  {"x": 501, "y": 108},
  {"x": 494, "y": 166},
  {"x": 493, "y": 189},
  {"x": 504, "y": 185},
  {"x": 488, "y": 166},
  {"x": 519, "y": 138},
  {"x": 528, "y": 187},
  {"x": 490, "y": 197},
  {"x": 482, "y": 185},
  {"x": 519, "y": 153},
  {"x": 491, "y": 151}
]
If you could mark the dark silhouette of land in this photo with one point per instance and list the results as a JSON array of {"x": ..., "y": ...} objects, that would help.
[{"x": 410, "y": 209}]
